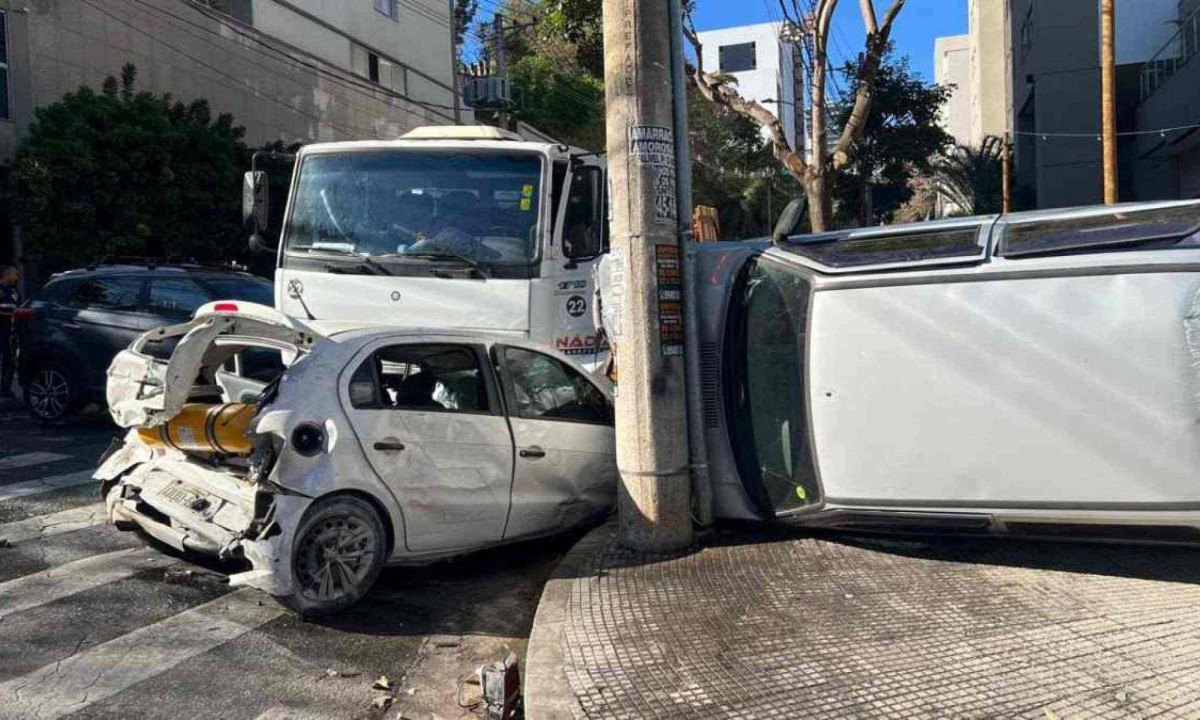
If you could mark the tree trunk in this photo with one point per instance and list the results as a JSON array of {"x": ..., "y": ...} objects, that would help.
[{"x": 820, "y": 206}]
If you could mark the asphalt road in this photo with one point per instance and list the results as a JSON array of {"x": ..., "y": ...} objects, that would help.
[{"x": 93, "y": 624}]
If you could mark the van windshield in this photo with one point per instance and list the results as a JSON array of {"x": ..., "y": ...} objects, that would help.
[{"x": 478, "y": 207}]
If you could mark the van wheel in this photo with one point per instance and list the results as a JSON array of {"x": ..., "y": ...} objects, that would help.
[
  {"x": 53, "y": 394},
  {"x": 337, "y": 553}
]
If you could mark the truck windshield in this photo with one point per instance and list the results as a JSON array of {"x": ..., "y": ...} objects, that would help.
[{"x": 478, "y": 207}]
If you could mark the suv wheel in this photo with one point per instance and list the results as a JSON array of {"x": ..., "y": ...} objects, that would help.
[
  {"x": 53, "y": 394},
  {"x": 337, "y": 553}
]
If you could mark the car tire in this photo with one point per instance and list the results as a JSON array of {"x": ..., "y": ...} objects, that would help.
[
  {"x": 337, "y": 552},
  {"x": 53, "y": 393}
]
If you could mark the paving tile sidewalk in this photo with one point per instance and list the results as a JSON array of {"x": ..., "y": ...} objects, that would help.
[{"x": 759, "y": 624}]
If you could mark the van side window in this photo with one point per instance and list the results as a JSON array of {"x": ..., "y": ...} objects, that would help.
[
  {"x": 431, "y": 378},
  {"x": 546, "y": 389}
]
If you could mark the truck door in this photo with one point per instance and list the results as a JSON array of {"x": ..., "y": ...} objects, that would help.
[
  {"x": 430, "y": 423},
  {"x": 580, "y": 238}
]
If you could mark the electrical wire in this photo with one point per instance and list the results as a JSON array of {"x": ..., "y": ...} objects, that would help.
[{"x": 1096, "y": 136}]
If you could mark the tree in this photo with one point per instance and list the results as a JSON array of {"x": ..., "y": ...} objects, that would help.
[
  {"x": 812, "y": 19},
  {"x": 122, "y": 172},
  {"x": 463, "y": 15},
  {"x": 566, "y": 102},
  {"x": 901, "y": 138},
  {"x": 970, "y": 178},
  {"x": 733, "y": 171}
]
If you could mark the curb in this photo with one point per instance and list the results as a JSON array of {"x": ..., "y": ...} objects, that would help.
[{"x": 547, "y": 692}]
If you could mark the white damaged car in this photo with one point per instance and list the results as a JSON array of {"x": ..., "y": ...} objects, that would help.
[{"x": 320, "y": 459}]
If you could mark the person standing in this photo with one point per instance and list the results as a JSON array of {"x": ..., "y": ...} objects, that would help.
[{"x": 10, "y": 300}]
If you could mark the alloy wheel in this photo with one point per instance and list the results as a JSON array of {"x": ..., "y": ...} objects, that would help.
[
  {"x": 49, "y": 393},
  {"x": 335, "y": 557}
]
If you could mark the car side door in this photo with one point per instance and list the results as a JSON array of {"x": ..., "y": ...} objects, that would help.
[
  {"x": 429, "y": 419},
  {"x": 562, "y": 425}
]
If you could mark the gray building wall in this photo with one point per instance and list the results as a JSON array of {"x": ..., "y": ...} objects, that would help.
[
  {"x": 1168, "y": 164},
  {"x": 1056, "y": 89}
]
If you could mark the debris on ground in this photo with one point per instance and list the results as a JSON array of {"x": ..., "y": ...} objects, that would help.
[
  {"x": 4, "y": 543},
  {"x": 383, "y": 682},
  {"x": 177, "y": 576},
  {"x": 382, "y": 702},
  {"x": 501, "y": 683},
  {"x": 330, "y": 672}
]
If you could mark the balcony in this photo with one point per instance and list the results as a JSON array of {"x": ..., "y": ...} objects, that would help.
[{"x": 1176, "y": 53}]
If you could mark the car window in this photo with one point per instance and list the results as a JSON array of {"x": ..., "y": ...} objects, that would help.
[
  {"x": 56, "y": 291},
  {"x": 116, "y": 293},
  {"x": 548, "y": 389},
  {"x": 176, "y": 296},
  {"x": 420, "y": 377},
  {"x": 235, "y": 288}
]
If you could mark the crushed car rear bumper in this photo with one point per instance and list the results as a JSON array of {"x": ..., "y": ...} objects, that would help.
[{"x": 193, "y": 508}]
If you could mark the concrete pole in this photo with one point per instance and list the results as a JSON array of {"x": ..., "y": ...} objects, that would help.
[
  {"x": 455, "y": 94},
  {"x": 1108, "y": 92},
  {"x": 652, "y": 451}
]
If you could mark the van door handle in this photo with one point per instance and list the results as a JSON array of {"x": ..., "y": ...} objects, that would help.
[
  {"x": 533, "y": 451},
  {"x": 389, "y": 446}
]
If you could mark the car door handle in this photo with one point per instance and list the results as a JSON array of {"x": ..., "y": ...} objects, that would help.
[
  {"x": 70, "y": 325},
  {"x": 533, "y": 451},
  {"x": 389, "y": 446}
]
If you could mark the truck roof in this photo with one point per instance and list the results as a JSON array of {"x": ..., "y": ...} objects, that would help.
[{"x": 483, "y": 136}]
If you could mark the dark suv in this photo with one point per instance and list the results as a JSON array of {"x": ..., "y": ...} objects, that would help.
[{"x": 70, "y": 331}]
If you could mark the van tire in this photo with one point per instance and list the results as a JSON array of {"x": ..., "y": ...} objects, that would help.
[{"x": 337, "y": 552}]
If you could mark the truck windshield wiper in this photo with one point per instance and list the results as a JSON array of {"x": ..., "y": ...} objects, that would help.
[
  {"x": 362, "y": 260},
  {"x": 475, "y": 264}
]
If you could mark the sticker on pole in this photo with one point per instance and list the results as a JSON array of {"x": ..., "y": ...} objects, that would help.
[
  {"x": 653, "y": 148},
  {"x": 668, "y": 274}
]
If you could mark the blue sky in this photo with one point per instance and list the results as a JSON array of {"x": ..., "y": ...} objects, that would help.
[{"x": 919, "y": 23}]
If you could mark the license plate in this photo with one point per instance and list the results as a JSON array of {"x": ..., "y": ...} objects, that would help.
[{"x": 180, "y": 495}]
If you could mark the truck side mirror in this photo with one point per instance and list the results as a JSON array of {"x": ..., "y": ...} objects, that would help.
[
  {"x": 255, "y": 207},
  {"x": 791, "y": 220}
]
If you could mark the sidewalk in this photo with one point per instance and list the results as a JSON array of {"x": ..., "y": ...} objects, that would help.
[{"x": 760, "y": 623}]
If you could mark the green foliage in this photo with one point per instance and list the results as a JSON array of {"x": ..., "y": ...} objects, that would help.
[
  {"x": 901, "y": 140},
  {"x": 971, "y": 178},
  {"x": 565, "y": 101},
  {"x": 733, "y": 170},
  {"x": 123, "y": 172},
  {"x": 464, "y": 15}
]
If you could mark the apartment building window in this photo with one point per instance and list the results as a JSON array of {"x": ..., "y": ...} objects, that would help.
[
  {"x": 236, "y": 9},
  {"x": 738, "y": 58},
  {"x": 378, "y": 70},
  {"x": 388, "y": 7},
  {"x": 4, "y": 109}
]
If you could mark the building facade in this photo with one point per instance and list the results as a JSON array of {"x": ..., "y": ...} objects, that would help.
[
  {"x": 1055, "y": 115},
  {"x": 952, "y": 68},
  {"x": 768, "y": 71},
  {"x": 289, "y": 70}
]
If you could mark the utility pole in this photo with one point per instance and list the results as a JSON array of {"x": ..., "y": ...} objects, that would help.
[
  {"x": 455, "y": 91},
  {"x": 501, "y": 62},
  {"x": 1108, "y": 92},
  {"x": 1006, "y": 174},
  {"x": 654, "y": 495}
]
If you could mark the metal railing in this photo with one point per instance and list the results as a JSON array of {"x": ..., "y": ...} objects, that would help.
[{"x": 1172, "y": 56}]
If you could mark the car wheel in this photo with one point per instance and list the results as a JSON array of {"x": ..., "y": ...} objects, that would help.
[
  {"x": 53, "y": 393},
  {"x": 337, "y": 552}
]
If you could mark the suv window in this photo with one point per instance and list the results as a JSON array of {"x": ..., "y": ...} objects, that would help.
[
  {"x": 235, "y": 288},
  {"x": 548, "y": 389},
  {"x": 421, "y": 377},
  {"x": 176, "y": 296},
  {"x": 113, "y": 293}
]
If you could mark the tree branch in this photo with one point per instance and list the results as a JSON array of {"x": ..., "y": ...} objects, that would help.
[
  {"x": 868, "y": 13},
  {"x": 717, "y": 91},
  {"x": 868, "y": 71}
]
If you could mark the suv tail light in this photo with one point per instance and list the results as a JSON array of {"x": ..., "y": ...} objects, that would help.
[{"x": 21, "y": 314}]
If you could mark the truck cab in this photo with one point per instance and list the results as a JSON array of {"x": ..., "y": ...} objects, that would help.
[{"x": 471, "y": 228}]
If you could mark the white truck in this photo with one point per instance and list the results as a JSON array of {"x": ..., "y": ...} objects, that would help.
[{"x": 470, "y": 227}]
